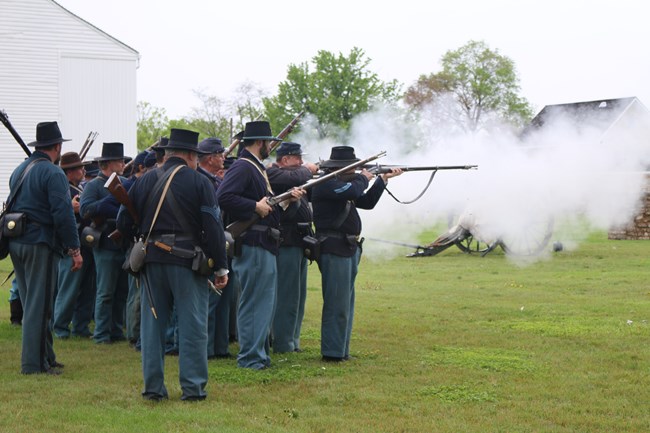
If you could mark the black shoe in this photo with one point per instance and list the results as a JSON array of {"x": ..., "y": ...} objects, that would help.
[
  {"x": 332, "y": 359},
  {"x": 193, "y": 398},
  {"x": 118, "y": 338},
  {"x": 154, "y": 397},
  {"x": 56, "y": 364},
  {"x": 221, "y": 356},
  {"x": 297, "y": 350},
  {"x": 53, "y": 371},
  {"x": 16, "y": 312}
]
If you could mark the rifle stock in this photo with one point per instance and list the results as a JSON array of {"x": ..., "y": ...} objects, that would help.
[
  {"x": 117, "y": 190},
  {"x": 238, "y": 227},
  {"x": 5, "y": 121}
]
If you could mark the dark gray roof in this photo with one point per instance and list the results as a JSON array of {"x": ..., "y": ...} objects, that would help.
[{"x": 599, "y": 114}]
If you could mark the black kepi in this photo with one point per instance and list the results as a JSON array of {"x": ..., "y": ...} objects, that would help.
[
  {"x": 47, "y": 134},
  {"x": 340, "y": 157}
]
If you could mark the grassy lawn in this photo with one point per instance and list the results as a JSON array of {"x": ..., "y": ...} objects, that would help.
[{"x": 451, "y": 343}]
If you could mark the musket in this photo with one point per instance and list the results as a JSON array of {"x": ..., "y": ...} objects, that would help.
[
  {"x": 117, "y": 190},
  {"x": 5, "y": 121},
  {"x": 238, "y": 227},
  {"x": 84, "y": 152},
  {"x": 287, "y": 129},
  {"x": 380, "y": 169},
  {"x": 83, "y": 146},
  {"x": 232, "y": 146}
]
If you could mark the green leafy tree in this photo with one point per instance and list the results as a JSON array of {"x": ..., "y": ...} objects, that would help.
[
  {"x": 481, "y": 82},
  {"x": 152, "y": 124},
  {"x": 333, "y": 88}
]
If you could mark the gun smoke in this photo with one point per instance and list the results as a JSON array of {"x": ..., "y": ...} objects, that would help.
[{"x": 563, "y": 181}]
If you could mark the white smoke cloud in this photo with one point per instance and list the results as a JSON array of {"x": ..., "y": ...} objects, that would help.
[{"x": 563, "y": 181}]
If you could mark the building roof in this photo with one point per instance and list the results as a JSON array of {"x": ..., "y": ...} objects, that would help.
[
  {"x": 600, "y": 114},
  {"x": 98, "y": 30}
]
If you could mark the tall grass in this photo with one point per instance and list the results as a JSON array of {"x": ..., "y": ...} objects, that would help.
[{"x": 451, "y": 343}]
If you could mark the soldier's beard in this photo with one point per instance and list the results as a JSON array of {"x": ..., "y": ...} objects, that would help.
[{"x": 264, "y": 151}]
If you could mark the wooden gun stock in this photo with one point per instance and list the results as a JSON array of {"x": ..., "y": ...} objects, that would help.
[{"x": 117, "y": 190}]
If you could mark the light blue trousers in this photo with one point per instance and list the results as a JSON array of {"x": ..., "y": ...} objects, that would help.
[
  {"x": 290, "y": 304},
  {"x": 36, "y": 269},
  {"x": 175, "y": 286},
  {"x": 338, "y": 275},
  {"x": 112, "y": 290},
  {"x": 256, "y": 270},
  {"x": 75, "y": 289}
]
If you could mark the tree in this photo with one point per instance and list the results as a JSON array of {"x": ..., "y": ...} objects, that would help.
[
  {"x": 152, "y": 124},
  {"x": 482, "y": 83},
  {"x": 223, "y": 119},
  {"x": 337, "y": 89}
]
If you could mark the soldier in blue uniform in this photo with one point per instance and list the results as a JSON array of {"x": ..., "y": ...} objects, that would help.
[
  {"x": 50, "y": 233},
  {"x": 295, "y": 223},
  {"x": 76, "y": 290},
  {"x": 189, "y": 218},
  {"x": 338, "y": 224},
  {"x": 243, "y": 195},
  {"x": 112, "y": 283},
  {"x": 211, "y": 166}
]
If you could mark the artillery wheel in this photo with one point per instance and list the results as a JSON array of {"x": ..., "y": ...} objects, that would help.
[
  {"x": 470, "y": 245},
  {"x": 529, "y": 242}
]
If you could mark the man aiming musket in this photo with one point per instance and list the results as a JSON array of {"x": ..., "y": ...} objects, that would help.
[{"x": 338, "y": 226}]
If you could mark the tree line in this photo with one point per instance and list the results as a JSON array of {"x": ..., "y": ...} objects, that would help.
[{"x": 476, "y": 87}]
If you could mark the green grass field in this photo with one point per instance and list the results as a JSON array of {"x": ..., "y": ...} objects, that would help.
[{"x": 451, "y": 343}]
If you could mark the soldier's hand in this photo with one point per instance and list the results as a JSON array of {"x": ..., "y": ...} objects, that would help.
[
  {"x": 367, "y": 174},
  {"x": 75, "y": 204},
  {"x": 220, "y": 282},
  {"x": 262, "y": 208},
  {"x": 311, "y": 166},
  {"x": 393, "y": 172},
  {"x": 296, "y": 194},
  {"x": 77, "y": 261}
]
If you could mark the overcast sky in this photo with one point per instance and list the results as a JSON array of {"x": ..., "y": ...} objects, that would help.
[{"x": 564, "y": 51}]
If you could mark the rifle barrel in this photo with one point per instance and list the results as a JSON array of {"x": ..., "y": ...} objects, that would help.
[
  {"x": 5, "y": 121},
  {"x": 287, "y": 129},
  {"x": 379, "y": 169}
]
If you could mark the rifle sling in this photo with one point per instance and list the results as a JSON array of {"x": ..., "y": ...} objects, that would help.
[
  {"x": 167, "y": 179},
  {"x": 419, "y": 195},
  {"x": 23, "y": 175}
]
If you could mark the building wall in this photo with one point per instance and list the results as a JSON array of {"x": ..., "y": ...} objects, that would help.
[{"x": 55, "y": 66}]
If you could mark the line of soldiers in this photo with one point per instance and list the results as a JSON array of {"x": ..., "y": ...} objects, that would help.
[{"x": 178, "y": 212}]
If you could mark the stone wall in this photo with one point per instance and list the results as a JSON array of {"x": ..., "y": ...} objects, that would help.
[{"x": 639, "y": 227}]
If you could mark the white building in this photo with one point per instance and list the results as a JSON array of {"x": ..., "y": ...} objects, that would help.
[{"x": 56, "y": 66}]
